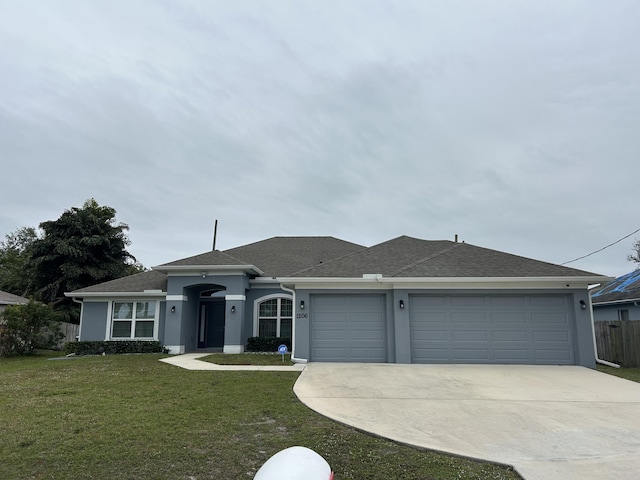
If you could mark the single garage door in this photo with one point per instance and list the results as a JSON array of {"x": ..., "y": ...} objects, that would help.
[
  {"x": 529, "y": 329},
  {"x": 348, "y": 328}
]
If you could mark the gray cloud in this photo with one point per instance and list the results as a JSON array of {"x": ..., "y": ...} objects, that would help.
[{"x": 512, "y": 124}]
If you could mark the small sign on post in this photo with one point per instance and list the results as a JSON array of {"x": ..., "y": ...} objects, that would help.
[{"x": 282, "y": 350}]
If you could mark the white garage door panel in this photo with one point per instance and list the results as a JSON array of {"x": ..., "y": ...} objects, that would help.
[
  {"x": 348, "y": 328},
  {"x": 491, "y": 329}
]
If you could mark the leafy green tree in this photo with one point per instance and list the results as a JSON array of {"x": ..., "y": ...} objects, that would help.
[
  {"x": 635, "y": 256},
  {"x": 25, "y": 328},
  {"x": 83, "y": 247},
  {"x": 15, "y": 253}
]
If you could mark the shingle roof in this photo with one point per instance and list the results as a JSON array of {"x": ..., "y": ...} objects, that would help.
[
  {"x": 626, "y": 287},
  {"x": 281, "y": 256},
  {"x": 331, "y": 257},
  {"x": 215, "y": 257},
  {"x": 7, "y": 298},
  {"x": 276, "y": 256},
  {"x": 139, "y": 282},
  {"x": 411, "y": 257}
]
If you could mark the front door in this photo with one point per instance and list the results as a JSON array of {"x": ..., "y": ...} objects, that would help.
[{"x": 211, "y": 324}]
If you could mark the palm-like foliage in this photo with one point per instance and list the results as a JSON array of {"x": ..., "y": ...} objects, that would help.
[{"x": 83, "y": 247}]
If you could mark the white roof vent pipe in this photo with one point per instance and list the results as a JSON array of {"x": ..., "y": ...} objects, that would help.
[{"x": 372, "y": 276}]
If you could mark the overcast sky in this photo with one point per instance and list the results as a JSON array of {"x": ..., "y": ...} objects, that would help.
[{"x": 514, "y": 124}]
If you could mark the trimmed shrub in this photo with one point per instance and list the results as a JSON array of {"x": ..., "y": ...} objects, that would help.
[
  {"x": 267, "y": 344},
  {"x": 113, "y": 347}
]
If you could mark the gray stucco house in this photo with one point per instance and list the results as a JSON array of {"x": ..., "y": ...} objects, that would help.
[
  {"x": 402, "y": 301},
  {"x": 618, "y": 299}
]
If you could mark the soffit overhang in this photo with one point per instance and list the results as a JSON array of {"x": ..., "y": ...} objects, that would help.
[{"x": 208, "y": 269}]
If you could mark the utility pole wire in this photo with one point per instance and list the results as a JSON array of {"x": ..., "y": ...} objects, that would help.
[{"x": 600, "y": 249}]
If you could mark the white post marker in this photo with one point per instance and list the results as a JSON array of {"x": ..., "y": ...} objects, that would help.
[
  {"x": 282, "y": 350},
  {"x": 295, "y": 463}
]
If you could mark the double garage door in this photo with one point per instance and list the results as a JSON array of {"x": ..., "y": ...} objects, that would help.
[
  {"x": 523, "y": 329},
  {"x": 526, "y": 329}
]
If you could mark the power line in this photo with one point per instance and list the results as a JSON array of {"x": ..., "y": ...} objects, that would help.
[{"x": 601, "y": 249}]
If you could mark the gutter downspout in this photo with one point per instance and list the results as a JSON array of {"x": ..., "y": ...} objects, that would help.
[
  {"x": 293, "y": 327},
  {"x": 376, "y": 279},
  {"x": 595, "y": 345},
  {"x": 81, "y": 312}
]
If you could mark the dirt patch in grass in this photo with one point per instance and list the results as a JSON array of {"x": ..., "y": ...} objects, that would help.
[
  {"x": 248, "y": 359},
  {"x": 133, "y": 417}
]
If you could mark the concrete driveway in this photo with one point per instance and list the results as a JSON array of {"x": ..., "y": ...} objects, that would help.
[{"x": 548, "y": 422}]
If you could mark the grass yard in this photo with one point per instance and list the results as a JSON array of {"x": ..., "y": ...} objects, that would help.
[
  {"x": 632, "y": 374},
  {"x": 133, "y": 417}
]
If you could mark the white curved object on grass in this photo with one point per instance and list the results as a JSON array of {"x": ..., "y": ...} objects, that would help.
[{"x": 295, "y": 463}]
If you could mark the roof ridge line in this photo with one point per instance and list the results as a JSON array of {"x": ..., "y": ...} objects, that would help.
[
  {"x": 426, "y": 259},
  {"x": 231, "y": 256},
  {"x": 329, "y": 261}
]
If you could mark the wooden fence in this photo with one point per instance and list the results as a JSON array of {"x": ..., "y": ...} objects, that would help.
[
  {"x": 70, "y": 332},
  {"x": 619, "y": 342}
]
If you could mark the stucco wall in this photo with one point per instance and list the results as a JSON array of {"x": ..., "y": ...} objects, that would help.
[
  {"x": 94, "y": 320},
  {"x": 183, "y": 293},
  {"x": 93, "y": 326}
]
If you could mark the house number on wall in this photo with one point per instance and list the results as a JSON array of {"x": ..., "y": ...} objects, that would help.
[{"x": 302, "y": 315}]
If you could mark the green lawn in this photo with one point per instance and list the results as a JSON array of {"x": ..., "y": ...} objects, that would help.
[
  {"x": 133, "y": 417},
  {"x": 632, "y": 374}
]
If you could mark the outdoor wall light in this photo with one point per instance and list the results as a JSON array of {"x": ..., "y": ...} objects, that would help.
[
  {"x": 173, "y": 309},
  {"x": 301, "y": 304},
  {"x": 401, "y": 303},
  {"x": 233, "y": 309},
  {"x": 583, "y": 305}
]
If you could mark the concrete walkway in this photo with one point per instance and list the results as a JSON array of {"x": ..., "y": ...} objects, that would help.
[
  {"x": 189, "y": 361},
  {"x": 549, "y": 422}
]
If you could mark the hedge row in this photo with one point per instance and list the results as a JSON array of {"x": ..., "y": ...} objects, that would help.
[
  {"x": 267, "y": 344},
  {"x": 254, "y": 344},
  {"x": 110, "y": 348}
]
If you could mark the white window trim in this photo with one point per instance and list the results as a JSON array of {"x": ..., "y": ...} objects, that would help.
[
  {"x": 156, "y": 322},
  {"x": 256, "y": 311}
]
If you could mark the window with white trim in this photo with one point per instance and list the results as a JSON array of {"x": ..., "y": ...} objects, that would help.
[
  {"x": 275, "y": 318},
  {"x": 134, "y": 320}
]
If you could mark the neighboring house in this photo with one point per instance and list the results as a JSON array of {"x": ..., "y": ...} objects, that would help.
[
  {"x": 7, "y": 299},
  {"x": 403, "y": 301},
  {"x": 618, "y": 299}
]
